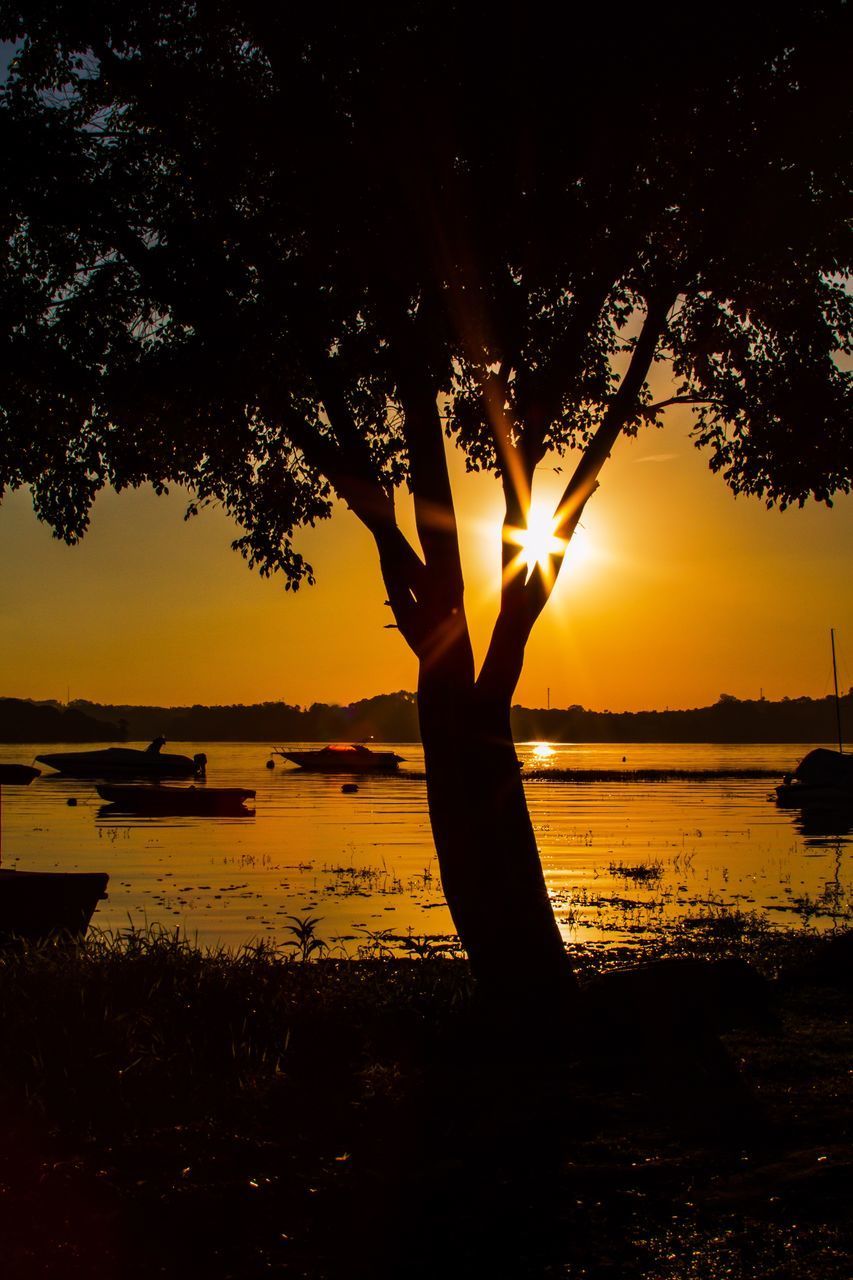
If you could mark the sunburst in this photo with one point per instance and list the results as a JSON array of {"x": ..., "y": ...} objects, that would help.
[{"x": 538, "y": 542}]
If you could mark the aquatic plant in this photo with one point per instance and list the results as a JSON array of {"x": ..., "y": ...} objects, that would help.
[
  {"x": 305, "y": 938},
  {"x": 641, "y": 872}
]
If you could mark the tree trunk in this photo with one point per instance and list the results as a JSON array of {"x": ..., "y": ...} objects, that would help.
[{"x": 490, "y": 868}]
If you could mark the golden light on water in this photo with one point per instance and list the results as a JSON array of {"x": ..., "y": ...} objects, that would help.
[{"x": 542, "y": 751}]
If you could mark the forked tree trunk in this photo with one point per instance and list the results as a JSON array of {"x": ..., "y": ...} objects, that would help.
[{"x": 490, "y": 868}]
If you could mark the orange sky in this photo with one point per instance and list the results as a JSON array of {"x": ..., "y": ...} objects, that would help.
[{"x": 682, "y": 592}]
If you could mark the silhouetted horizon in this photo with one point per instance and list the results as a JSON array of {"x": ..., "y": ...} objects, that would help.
[{"x": 392, "y": 717}]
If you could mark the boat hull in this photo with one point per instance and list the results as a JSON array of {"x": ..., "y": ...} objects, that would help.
[
  {"x": 41, "y": 904},
  {"x": 799, "y": 795},
  {"x": 121, "y": 762},
  {"x": 17, "y": 775},
  {"x": 343, "y": 762},
  {"x": 822, "y": 779},
  {"x": 192, "y": 801}
]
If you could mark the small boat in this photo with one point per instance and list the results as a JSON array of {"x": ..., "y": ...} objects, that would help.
[
  {"x": 124, "y": 762},
  {"x": 17, "y": 775},
  {"x": 822, "y": 778},
  {"x": 212, "y": 802},
  {"x": 41, "y": 904},
  {"x": 344, "y": 757}
]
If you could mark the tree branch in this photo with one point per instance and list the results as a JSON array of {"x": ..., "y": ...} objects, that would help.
[
  {"x": 624, "y": 403},
  {"x": 516, "y": 473},
  {"x": 521, "y": 606},
  {"x": 435, "y": 515},
  {"x": 402, "y": 568},
  {"x": 540, "y": 393},
  {"x": 649, "y": 410},
  {"x": 538, "y": 403}
]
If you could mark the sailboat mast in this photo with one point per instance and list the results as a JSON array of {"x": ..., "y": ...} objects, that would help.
[{"x": 837, "y": 702}]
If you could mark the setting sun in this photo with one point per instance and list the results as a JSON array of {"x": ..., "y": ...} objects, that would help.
[{"x": 538, "y": 542}]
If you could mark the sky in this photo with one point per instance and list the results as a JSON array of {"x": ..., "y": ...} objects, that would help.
[{"x": 676, "y": 593}]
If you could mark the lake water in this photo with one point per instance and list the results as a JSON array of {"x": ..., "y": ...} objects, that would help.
[{"x": 620, "y": 857}]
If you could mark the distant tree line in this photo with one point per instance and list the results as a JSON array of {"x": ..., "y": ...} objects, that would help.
[
  {"x": 25, "y": 721},
  {"x": 728, "y": 720},
  {"x": 393, "y": 718}
]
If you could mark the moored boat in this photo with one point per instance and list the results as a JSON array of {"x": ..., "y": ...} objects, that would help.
[
  {"x": 344, "y": 757},
  {"x": 822, "y": 778},
  {"x": 124, "y": 762},
  {"x": 17, "y": 775},
  {"x": 174, "y": 801},
  {"x": 40, "y": 904}
]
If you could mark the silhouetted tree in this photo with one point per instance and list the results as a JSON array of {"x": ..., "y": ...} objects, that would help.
[{"x": 278, "y": 254}]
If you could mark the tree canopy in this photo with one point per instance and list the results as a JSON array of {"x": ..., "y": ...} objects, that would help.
[{"x": 259, "y": 252}]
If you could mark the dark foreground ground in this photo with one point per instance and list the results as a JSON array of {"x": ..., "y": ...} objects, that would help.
[{"x": 166, "y": 1113}]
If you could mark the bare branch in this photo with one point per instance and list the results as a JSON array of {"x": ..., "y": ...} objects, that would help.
[
  {"x": 435, "y": 515},
  {"x": 649, "y": 410},
  {"x": 402, "y": 568},
  {"x": 516, "y": 473},
  {"x": 521, "y": 606},
  {"x": 584, "y": 481}
]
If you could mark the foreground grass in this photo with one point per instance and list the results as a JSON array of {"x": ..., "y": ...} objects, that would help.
[{"x": 167, "y": 1111}]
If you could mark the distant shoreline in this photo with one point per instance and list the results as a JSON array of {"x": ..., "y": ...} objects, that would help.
[{"x": 393, "y": 718}]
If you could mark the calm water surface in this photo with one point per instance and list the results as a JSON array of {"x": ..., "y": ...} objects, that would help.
[{"x": 620, "y": 857}]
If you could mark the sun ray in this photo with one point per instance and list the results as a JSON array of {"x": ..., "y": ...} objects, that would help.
[{"x": 538, "y": 542}]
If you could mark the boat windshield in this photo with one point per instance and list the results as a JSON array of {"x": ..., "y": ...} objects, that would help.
[{"x": 349, "y": 747}]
